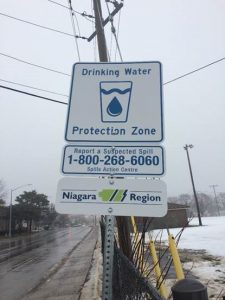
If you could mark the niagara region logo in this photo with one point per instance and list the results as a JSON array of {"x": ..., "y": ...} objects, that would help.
[
  {"x": 115, "y": 100},
  {"x": 112, "y": 195}
]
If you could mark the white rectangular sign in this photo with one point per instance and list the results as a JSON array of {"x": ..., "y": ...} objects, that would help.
[
  {"x": 115, "y": 102},
  {"x": 104, "y": 196},
  {"x": 113, "y": 160}
]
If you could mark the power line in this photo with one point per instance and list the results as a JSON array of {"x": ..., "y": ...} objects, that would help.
[
  {"x": 33, "y": 95},
  {"x": 58, "y": 4},
  {"x": 118, "y": 29},
  {"x": 111, "y": 45},
  {"x": 44, "y": 27},
  {"x": 113, "y": 30},
  {"x": 56, "y": 71},
  {"x": 34, "y": 88},
  {"x": 32, "y": 64},
  {"x": 94, "y": 39},
  {"x": 196, "y": 70},
  {"x": 83, "y": 14},
  {"x": 37, "y": 25},
  {"x": 74, "y": 28},
  {"x": 78, "y": 27}
]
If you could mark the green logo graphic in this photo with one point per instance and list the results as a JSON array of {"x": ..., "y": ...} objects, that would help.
[{"x": 110, "y": 195}]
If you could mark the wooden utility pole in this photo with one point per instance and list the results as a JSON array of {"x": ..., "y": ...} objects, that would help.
[
  {"x": 102, "y": 48},
  {"x": 122, "y": 222},
  {"x": 193, "y": 185}
]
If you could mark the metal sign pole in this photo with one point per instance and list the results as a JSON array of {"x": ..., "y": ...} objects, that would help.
[
  {"x": 109, "y": 228},
  {"x": 108, "y": 258}
]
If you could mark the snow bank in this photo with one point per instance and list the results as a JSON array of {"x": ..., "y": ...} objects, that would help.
[{"x": 210, "y": 236}]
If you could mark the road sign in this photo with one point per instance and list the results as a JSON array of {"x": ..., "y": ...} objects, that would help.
[
  {"x": 113, "y": 160},
  {"x": 104, "y": 196},
  {"x": 115, "y": 102}
]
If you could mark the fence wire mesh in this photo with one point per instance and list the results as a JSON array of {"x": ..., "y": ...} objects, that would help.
[{"x": 128, "y": 283}]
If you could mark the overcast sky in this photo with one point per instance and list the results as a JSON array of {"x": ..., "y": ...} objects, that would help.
[{"x": 183, "y": 35}]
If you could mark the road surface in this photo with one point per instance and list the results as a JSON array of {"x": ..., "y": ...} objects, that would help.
[{"x": 34, "y": 258}]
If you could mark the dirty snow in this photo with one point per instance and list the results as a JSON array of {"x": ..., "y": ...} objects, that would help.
[{"x": 210, "y": 236}]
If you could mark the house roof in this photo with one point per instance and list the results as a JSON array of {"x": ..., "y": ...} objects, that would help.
[{"x": 177, "y": 206}]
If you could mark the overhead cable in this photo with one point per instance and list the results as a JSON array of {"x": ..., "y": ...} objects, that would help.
[
  {"x": 33, "y": 95},
  {"x": 34, "y": 65},
  {"x": 168, "y": 82},
  {"x": 44, "y": 27},
  {"x": 34, "y": 88},
  {"x": 113, "y": 29},
  {"x": 37, "y": 25},
  {"x": 118, "y": 30},
  {"x": 196, "y": 70},
  {"x": 57, "y": 3},
  {"x": 83, "y": 14},
  {"x": 74, "y": 28}
]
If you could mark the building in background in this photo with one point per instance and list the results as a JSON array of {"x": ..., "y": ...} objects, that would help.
[{"x": 176, "y": 217}]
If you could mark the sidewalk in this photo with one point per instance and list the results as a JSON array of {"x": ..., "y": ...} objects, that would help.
[{"x": 68, "y": 278}]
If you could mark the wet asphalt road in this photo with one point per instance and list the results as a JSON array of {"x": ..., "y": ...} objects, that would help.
[{"x": 33, "y": 258}]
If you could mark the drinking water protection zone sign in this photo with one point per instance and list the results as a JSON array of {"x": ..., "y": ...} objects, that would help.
[{"x": 115, "y": 102}]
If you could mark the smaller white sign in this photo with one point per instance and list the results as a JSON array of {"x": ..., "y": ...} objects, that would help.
[
  {"x": 113, "y": 160},
  {"x": 105, "y": 196}
]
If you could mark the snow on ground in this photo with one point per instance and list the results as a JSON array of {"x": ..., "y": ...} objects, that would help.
[
  {"x": 210, "y": 269},
  {"x": 206, "y": 270},
  {"x": 212, "y": 274},
  {"x": 210, "y": 236}
]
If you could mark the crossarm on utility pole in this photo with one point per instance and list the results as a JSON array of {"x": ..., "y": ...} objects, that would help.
[{"x": 113, "y": 13}]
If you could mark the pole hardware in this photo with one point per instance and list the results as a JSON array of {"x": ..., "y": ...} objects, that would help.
[{"x": 107, "y": 20}]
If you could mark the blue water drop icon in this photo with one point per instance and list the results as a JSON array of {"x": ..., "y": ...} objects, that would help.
[{"x": 114, "y": 108}]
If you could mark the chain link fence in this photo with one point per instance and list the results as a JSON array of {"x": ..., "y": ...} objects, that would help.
[{"x": 127, "y": 282}]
